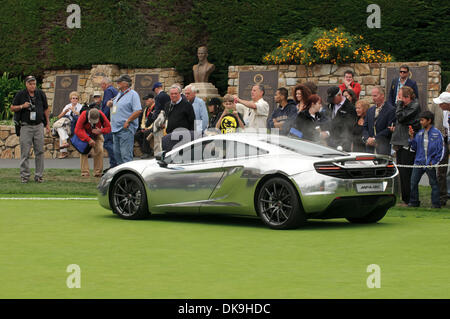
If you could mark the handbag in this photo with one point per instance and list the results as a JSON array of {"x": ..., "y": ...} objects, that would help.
[{"x": 81, "y": 146}]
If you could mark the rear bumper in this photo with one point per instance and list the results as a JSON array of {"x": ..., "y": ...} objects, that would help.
[
  {"x": 356, "y": 206},
  {"x": 321, "y": 195}
]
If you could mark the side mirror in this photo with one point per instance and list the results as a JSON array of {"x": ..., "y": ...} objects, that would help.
[{"x": 160, "y": 158}]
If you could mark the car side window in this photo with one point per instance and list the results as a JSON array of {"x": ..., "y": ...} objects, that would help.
[
  {"x": 199, "y": 152},
  {"x": 241, "y": 150},
  {"x": 213, "y": 150}
]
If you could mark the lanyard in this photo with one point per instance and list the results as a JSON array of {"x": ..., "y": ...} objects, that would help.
[{"x": 128, "y": 90}]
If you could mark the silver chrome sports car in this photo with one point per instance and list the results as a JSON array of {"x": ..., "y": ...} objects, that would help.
[{"x": 283, "y": 180}]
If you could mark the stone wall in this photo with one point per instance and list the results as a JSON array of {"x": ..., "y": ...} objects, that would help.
[
  {"x": 368, "y": 75},
  {"x": 10, "y": 146},
  {"x": 89, "y": 80}
]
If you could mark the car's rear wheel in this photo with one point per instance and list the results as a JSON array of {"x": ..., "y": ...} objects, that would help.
[
  {"x": 278, "y": 204},
  {"x": 373, "y": 217},
  {"x": 128, "y": 197}
]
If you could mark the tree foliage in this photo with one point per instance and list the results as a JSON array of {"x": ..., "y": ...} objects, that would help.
[{"x": 166, "y": 33}]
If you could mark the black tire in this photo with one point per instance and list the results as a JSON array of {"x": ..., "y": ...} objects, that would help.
[
  {"x": 373, "y": 217},
  {"x": 128, "y": 197},
  {"x": 278, "y": 204}
]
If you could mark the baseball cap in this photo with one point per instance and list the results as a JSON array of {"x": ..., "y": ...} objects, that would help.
[
  {"x": 331, "y": 93},
  {"x": 157, "y": 85},
  {"x": 443, "y": 98},
  {"x": 97, "y": 93},
  {"x": 93, "y": 116},
  {"x": 30, "y": 78},
  {"x": 124, "y": 78}
]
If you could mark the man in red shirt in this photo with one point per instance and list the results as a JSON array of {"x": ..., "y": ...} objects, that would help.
[
  {"x": 91, "y": 130},
  {"x": 349, "y": 83}
]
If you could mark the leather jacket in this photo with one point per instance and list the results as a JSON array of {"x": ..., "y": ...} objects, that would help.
[{"x": 406, "y": 116}]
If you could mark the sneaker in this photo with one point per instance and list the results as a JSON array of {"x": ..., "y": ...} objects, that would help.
[
  {"x": 24, "y": 180},
  {"x": 38, "y": 179},
  {"x": 413, "y": 205}
]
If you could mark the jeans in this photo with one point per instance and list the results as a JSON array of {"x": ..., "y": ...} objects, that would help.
[
  {"x": 109, "y": 147},
  {"x": 416, "y": 175},
  {"x": 123, "y": 145}
]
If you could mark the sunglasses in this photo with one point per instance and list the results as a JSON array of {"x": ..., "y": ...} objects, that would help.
[
  {"x": 403, "y": 71},
  {"x": 74, "y": 97}
]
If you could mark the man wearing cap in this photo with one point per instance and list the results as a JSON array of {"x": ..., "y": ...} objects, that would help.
[
  {"x": 442, "y": 123},
  {"x": 90, "y": 128},
  {"x": 109, "y": 92},
  {"x": 161, "y": 99},
  {"x": 32, "y": 114},
  {"x": 125, "y": 111},
  {"x": 144, "y": 127},
  {"x": 342, "y": 117}
]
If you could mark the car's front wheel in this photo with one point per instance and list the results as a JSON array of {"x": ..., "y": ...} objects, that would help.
[
  {"x": 278, "y": 204},
  {"x": 373, "y": 217},
  {"x": 128, "y": 197}
]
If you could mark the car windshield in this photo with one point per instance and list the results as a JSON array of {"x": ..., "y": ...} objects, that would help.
[{"x": 302, "y": 147}]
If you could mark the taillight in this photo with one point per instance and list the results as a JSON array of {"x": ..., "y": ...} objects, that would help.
[
  {"x": 365, "y": 158},
  {"x": 328, "y": 168}
]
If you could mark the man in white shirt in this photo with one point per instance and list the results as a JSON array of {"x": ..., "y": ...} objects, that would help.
[{"x": 256, "y": 110}]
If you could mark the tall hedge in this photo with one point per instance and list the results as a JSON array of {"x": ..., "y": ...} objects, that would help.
[{"x": 166, "y": 33}]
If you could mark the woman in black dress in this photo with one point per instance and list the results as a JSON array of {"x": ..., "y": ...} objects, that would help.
[{"x": 361, "y": 109}]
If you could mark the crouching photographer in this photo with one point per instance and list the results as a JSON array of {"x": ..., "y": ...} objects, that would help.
[{"x": 89, "y": 130}]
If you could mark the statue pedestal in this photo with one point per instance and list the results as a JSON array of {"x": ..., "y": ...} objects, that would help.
[{"x": 206, "y": 90}]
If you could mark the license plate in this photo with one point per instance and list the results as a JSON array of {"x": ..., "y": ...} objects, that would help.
[{"x": 369, "y": 188}]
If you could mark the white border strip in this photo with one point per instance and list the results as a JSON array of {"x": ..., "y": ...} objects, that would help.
[{"x": 47, "y": 198}]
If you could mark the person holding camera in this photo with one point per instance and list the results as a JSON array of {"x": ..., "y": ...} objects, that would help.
[
  {"x": 407, "y": 114},
  {"x": 90, "y": 128},
  {"x": 32, "y": 114},
  {"x": 230, "y": 120}
]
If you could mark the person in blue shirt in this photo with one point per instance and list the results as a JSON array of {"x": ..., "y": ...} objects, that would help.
[
  {"x": 429, "y": 147},
  {"x": 201, "y": 113},
  {"x": 125, "y": 110},
  {"x": 109, "y": 92}
]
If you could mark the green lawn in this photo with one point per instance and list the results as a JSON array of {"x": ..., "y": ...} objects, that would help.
[
  {"x": 171, "y": 256},
  {"x": 57, "y": 183}
]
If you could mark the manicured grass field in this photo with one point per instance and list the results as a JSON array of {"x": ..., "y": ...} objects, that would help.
[{"x": 171, "y": 256}]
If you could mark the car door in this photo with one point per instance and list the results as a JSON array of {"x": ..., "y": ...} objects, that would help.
[
  {"x": 189, "y": 179},
  {"x": 242, "y": 170}
]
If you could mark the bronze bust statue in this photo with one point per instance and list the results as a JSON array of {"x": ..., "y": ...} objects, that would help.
[{"x": 203, "y": 69}]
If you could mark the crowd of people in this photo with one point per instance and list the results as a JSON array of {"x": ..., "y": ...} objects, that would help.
[{"x": 393, "y": 124}]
